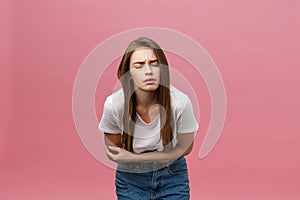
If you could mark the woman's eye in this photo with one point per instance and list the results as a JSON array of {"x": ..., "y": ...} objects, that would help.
[
  {"x": 155, "y": 64},
  {"x": 137, "y": 66}
]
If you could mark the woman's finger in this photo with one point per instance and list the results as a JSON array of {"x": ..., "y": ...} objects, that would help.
[
  {"x": 108, "y": 152},
  {"x": 111, "y": 156},
  {"x": 114, "y": 149}
]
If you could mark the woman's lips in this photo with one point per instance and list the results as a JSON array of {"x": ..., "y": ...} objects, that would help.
[{"x": 149, "y": 81}]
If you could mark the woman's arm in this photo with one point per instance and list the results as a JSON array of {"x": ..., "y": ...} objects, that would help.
[
  {"x": 184, "y": 147},
  {"x": 112, "y": 139}
]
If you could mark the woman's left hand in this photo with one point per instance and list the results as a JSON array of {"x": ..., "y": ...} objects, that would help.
[{"x": 119, "y": 155}]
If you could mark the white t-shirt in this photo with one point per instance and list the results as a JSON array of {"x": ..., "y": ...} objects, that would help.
[{"x": 147, "y": 135}]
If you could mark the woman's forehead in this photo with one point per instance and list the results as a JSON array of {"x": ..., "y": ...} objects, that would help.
[{"x": 142, "y": 54}]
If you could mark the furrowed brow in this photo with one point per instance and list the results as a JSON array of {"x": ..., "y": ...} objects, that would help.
[
  {"x": 139, "y": 62},
  {"x": 143, "y": 62},
  {"x": 154, "y": 60}
]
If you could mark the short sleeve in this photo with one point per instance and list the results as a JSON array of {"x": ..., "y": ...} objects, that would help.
[
  {"x": 109, "y": 122},
  {"x": 186, "y": 121}
]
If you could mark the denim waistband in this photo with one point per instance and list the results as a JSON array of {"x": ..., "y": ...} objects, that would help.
[{"x": 142, "y": 167}]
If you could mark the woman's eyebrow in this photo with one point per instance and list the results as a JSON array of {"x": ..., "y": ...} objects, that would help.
[
  {"x": 143, "y": 61},
  {"x": 138, "y": 62},
  {"x": 154, "y": 60}
]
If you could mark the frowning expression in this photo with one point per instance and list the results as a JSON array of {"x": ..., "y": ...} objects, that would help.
[{"x": 145, "y": 69}]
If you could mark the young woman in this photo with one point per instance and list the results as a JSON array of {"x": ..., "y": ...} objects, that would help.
[{"x": 149, "y": 127}]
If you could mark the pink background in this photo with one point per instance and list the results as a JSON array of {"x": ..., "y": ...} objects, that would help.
[{"x": 254, "y": 43}]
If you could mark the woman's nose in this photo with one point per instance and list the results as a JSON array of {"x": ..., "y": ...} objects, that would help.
[{"x": 148, "y": 69}]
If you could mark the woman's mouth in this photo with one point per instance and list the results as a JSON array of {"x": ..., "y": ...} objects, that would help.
[{"x": 149, "y": 81}]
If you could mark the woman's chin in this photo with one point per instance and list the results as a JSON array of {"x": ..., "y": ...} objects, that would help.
[{"x": 149, "y": 88}]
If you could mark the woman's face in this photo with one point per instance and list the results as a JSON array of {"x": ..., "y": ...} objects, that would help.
[{"x": 145, "y": 69}]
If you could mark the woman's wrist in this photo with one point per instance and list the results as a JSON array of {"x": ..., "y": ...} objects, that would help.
[{"x": 157, "y": 156}]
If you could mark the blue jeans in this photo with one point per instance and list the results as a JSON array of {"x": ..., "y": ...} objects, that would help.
[{"x": 167, "y": 181}]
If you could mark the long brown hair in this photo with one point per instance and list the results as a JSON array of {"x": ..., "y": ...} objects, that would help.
[{"x": 163, "y": 93}]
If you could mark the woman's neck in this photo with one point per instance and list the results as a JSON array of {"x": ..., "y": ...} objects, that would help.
[
  {"x": 147, "y": 105},
  {"x": 145, "y": 99}
]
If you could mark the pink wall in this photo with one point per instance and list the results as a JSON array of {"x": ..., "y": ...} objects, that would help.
[{"x": 255, "y": 45}]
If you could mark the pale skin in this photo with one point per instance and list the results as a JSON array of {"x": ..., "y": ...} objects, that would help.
[{"x": 145, "y": 72}]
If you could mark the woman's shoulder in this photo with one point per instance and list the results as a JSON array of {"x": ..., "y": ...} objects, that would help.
[
  {"x": 115, "y": 100},
  {"x": 177, "y": 95},
  {"x": 178, "y": 98},
  {"x": 116, "y": 95}
]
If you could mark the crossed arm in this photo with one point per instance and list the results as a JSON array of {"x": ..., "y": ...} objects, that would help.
[{"x": 116, "y": 153}]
